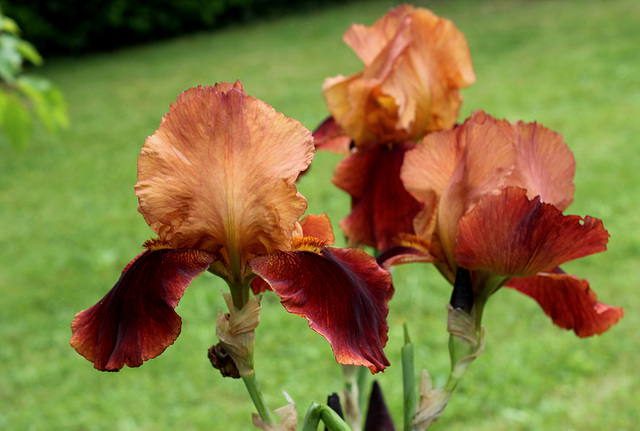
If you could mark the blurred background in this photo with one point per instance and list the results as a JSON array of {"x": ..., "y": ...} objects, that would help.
[{"x": 69, "y": 222}]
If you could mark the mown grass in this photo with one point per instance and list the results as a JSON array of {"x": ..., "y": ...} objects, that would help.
[{"x": 69, "y": 225}]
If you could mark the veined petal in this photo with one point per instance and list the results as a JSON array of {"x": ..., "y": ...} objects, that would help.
[
  {"x": 545, "y": 165},
  {"x": 219, "y": 174},
  {"x": 415, "y": 65},
  {"x": 381, "y": 208},
  {"x": 450, "y": 171},
  {"x": 342, "y": 293},
  {"x": 136, "y": 320},
  {"x": 510, "y": 235},
  {"x": 569, "y": 302},
  {"x": 317, "y": 228}
]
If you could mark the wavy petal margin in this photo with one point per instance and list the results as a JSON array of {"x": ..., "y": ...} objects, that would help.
[
  {"x": 569, "y": 302},
  {"x": 415, "y": 64},
  {"x": 136, "y": 320},
  {"x": 219, "y": 174},
  {"x": 545, "y": 164},
  {"x": 342, "y": 293},
  {"x": 510, "y": 235},
  {"x": 381, "y": 208}
]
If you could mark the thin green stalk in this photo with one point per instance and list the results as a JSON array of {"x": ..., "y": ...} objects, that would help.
[
  {"x": 408, "y": 380},
  {"x": 253, "y": 387}
]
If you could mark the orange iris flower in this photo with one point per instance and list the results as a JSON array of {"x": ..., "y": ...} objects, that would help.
[
  {"x": 216, "y": 183},
  {"x": 494, "y": 195},
  {"x": 415, "y": 63}
]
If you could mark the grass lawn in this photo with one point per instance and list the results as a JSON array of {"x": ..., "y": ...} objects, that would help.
[{"x": 69, "y": 225}]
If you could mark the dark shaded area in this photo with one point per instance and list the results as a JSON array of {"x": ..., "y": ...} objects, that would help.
[
  {"x": 378, "y": 415},
  {"x": 72, "y": 27}
]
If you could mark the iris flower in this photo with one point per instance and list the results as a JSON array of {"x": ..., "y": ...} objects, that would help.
[
  {"x": 415, "y": 63},
  {"x": 494, "y": 195},
  {"x": 216, "y": 183}
]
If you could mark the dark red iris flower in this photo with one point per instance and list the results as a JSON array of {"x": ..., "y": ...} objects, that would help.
[
  {"x": 216, "y": 183},
  {"x": 494, "y": 195},
  {"x": 415, "y": 63}
]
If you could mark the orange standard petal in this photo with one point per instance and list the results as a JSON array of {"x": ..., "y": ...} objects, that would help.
[
  {"x": 415, "y": 65},
  {"x": 219, "y": 174},
  {"x": 450, "y": 171},
  {"x": 545, "y": 165}
]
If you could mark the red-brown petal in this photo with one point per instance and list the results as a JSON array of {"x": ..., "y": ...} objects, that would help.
[
  {"x": 342, "y": 293},
  {"x": 329, "y": 136},
  {"x": 569, "y": 302},
  {"x": 381, "y": 208},
  {"x": 510, "y": 235},
  {"x": 136, "y": 320}
]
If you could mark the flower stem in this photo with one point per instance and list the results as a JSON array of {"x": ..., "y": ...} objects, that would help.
[
  {"x": 408, "y": 380},
  {"x": 331, "y": 419},
  {"x": 255, "y": 393}
]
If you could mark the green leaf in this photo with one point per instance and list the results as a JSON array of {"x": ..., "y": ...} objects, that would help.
[
  {"x": 29, "y": 52},
  {"x": 15, "y": 120},
  {"x": 8, "y": 25},
  {"x": 47, "y": 101},
  {"x": 10, "y": 58}
]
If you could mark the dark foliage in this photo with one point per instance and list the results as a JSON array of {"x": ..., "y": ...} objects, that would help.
[{"x": 67, "y": 27}]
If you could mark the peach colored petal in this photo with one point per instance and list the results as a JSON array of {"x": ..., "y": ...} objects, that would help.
[
  {"x": 569, "y": 301},
  {"x": 318, "y": 226},
  {"x": 219, "y": 174},
  {"x": 545, "y": 165},
  {"x": 510, "y": 235},
  {"x": 450, "y": 171},
  {"x": 368, "y": 42},
  {"x": 415, "y": 64}
]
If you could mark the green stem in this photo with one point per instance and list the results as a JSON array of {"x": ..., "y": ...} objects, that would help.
[
  {"x": 408, "y": 380},
  {"x": 239, "y": 293},
  {"x": 255, "y": 393},
  {"x": 331, "y": 419}
]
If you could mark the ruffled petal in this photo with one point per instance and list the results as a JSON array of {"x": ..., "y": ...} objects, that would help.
[
  {"x": 342, "y": 293},
  {"x": 569, "y": 302},
  {"x": 545, "y": 164},
  {"x": 219, "y": 174},
  {"x": 450, "y": 171},
  {"x": 381, "y": 208},
  {"x": 136, "y": 320},
  {"x": 510, "y": 235},
  {"x": 415, "y": 64}
]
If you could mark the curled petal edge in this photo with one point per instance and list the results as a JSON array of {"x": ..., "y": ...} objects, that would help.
[
  {"x": 343, "y": 295},
  {"x": 569, "y": 302},
  {"x": 136, "y": 320}
]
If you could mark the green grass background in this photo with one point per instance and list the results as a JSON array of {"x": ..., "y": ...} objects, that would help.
[{"x": 69, "y": 225}]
